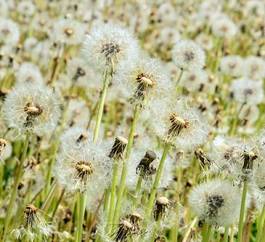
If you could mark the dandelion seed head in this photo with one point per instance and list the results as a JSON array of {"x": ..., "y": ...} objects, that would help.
[
  {"x": 216, "y": 202},
  {"x": 146, "y": 79},
  {"x": 68, "y": 31},
  {"x": 194, "y": 80},
  {"x": 26, "y": 8},
  {"x": 86, "y": 169},
  {"x": 31, "y": 107},
  {"x": 254, "y": 68},
  {"x": 232, "y": 65},
  {"x": 108, "y": 43},
  {"x": 28, "y": 72},
  {"x": 9, "y": 32},
  {"x": 224, "y": 27},
  {"x": 188, "y": 55},
  {"x": 247, "y": 91}
]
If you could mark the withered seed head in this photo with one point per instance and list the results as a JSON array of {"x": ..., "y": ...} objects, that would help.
[
  {"x": 79, "y": 72},
  {"x": 3, "y": 144},
  {"x": 202, "y": 157},
  {"x": 214, "y": 203},
  {"x": 30, "y": 215},
  {"x": 145, "y": 168},
  {"x": 162, "y": 201},
  {"x": 124, "y": 230},
  {"x": 160, "y": 239},
  {"x": 135, "y": 217},
  {"x": 248, "y": 159},
  {"x": 69, "y": 31},
  {"x": 177, "y": 125},
  {"x": 161, "y": 205},
  {"x": 144, "y": 83},
  {"x": 110, "y": 50},
  {"x": 83, "y": 170},
  {"x": 32, "y": 110},
  {"x": 81, "y": 138},
  {"x": 118, "y": 148}
]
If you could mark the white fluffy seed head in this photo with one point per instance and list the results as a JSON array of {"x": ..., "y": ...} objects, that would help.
[
  {"x": 254, "y": 68},
  {"x": 247, "y": 91},
  {"x": 144, "y": 80},
  {"x": 9, "y": 32},
  {"x": 188, "y": 55},
  {"x": 31, "y": 107},
  {"x": 74, "y": 138},
  {"x": 109, "y": 44},
  {"x": 224, "y": 27},
  {"x": 216, "y": 202},
  {"x": 28, "y": 72},
  {"x": 68, "y": 31},
  {"x": 83, "y": 169},
  {"x": 194, "y": 80},
  {"x": 232, "y": 65},
  {"x": 178, "y": 123}
]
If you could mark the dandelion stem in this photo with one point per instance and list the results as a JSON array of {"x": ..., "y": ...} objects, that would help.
[
  {"x": 106, "y": 80},
  {"x": 124, "y": 164},
  {"x": 261, "y": 223},
  {"x": 49, "y": 197},
  {"x": 242, "y": 212},
  {"x": 81, "y": 202},
  {"x": 137, "y": 189},
  {"x": 187, "y": 234},
  {"x": 58, "y": 202},
  {"x": 231, "y": 239},
  {"x": 132, "y": 131},
  {"x": 120, "y": 193},
  {"x": 157, "y": 179},
  {"x": 18, "y": 174},
  {"x": 226, "y": 234},
  {"x": 113, "y": 192},
  {"x": 180, "y": 76},
  {"x": 207, "y": 234}
]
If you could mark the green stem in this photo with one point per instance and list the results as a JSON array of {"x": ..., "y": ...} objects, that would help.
[
  {"x": 137, "y": 189},
  {"x": 261, "y": 223},
  {"x": 120, "y": 193},
  {"x": 58, "y": 202},
  {"x": 226, "y": 234},
  {"x": 18, "y": 174},
  {"x": 106, "y": 80},
  {"x": 49, "y": 197},
  {"x": 207, "y": 234},
  {"x": 180, "y": 76},
  {"x": 242, "y": 212},
  {"x": 113, "y": 192},
  {"x": 124, "y": 164},
  {"x": 235, "y": 120},
  {"x": 188, "y": 233},
  {"x": 132, "y": 130},
  {"x": 157, "y": 179},
  {"x": 81, "y": 202}
]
